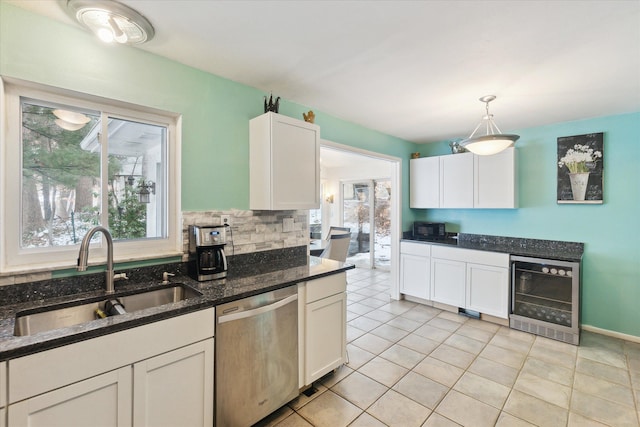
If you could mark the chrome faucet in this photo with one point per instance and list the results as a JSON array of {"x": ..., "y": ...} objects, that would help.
[{"x": 83, "y": 257}]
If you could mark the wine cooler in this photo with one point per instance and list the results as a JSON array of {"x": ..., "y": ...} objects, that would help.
[{"x": 545, "y": 298}]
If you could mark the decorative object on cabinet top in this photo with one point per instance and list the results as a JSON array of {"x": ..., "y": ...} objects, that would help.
[
  {"x": 494, "y": 141},
  {"x": 415, "y": 155},
  {"x": 309, "y": 117},
  {"x": 272, "y": 105},
  {"x": 456, "y": 148}
]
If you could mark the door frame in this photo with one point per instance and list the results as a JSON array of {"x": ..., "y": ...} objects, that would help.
[{"x": 396, "y": 205}]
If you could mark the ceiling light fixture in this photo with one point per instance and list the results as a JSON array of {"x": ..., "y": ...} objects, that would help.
[
  {"x": 494, "y": 141},
  {"x": 111, "y": 21}
]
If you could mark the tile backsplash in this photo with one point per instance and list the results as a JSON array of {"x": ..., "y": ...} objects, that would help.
[{"x": 253, "y": 231}]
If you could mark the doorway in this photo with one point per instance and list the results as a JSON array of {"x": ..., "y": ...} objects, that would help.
[{"x": 363, "y": 176}]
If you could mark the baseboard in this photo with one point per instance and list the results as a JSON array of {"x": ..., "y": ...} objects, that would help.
[{"x": 609, "y": 333}]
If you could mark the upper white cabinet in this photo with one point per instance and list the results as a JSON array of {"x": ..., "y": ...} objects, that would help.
[
  {"x": 424, "y": 182},
  {"x": 464, "y": 181},
  {"x": 284, "y": 163},
  {"x": 495, "y": 180},
  {"x": 456, "y": 181}
]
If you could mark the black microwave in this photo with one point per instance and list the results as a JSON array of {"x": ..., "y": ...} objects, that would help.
[{"x": 429, "y": 230}]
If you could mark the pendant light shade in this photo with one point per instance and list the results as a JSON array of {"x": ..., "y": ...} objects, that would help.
[
  {"x": 111, "y": 21},
  {"x": 493, "y": 141}
]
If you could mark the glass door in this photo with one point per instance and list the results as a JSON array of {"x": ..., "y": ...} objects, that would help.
[{"x": 366, "y": 211}]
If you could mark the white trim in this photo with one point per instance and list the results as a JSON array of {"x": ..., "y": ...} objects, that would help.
[
  {"x": 16, "y": 260},
  {"x": 609, "y": 333},
  {"x": 396, "y": 206}
]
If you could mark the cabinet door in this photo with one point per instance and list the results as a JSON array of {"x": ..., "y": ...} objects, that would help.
[
  {"x": 495, "y": 180},
  {"x": 424, "y": 182},
  {"x": 415, "y": 276},
  {"x": 175, "y": 388},
  {"x": 296, "y": 167},
  {"x": 448, "y": 281},
  {"x": 456, "y": 181},
  {"x": 102, "y": 400},
  {"x": 326, "y": 336},
  {"x": 488, "y": 290}
]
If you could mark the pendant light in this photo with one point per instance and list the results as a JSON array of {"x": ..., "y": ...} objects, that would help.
[
  {"x": 111, "y": 21},
  {"x": 493, "y": 141}
]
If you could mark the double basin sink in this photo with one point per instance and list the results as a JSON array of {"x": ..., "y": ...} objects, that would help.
[{"x": 63, "y": 315}]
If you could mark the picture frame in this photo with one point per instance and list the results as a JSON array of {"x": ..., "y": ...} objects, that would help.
[{"x": 580, "y": 169}]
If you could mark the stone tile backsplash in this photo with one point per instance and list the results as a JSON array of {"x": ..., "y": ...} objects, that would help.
[{"x": 252, "y": 231}]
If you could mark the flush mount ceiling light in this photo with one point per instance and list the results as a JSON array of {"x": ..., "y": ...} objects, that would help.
[
  {"x": 493, "y": 141},
  {"x": 111, "y": 21}
]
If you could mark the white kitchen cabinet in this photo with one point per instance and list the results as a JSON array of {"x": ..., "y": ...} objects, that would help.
[
  {"x": 495, "y": 180},
  {"x": 175, "y": 388},
  {"x": 415, "y": 269},
  {"x": 424, "y": 182},
  {"x": 488, "y": 290},
  {"x": 471, "y": 279},
  {"x": 284, "y": 163},
  {"x": 456, "y": 181},
  {"x": 3, "y": 393},
  {"x": 448, "y": 281},
  {"x": 94, "y": 378},
  {"x": 464, "y": 181},
  {"x": 101, "y": 400},
  {"x": 324, "y": 341}
]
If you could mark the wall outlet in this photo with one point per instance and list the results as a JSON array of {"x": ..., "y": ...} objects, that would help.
[
  {"x": 225, "y": 219},
  {"x": 287, "y": 224}
]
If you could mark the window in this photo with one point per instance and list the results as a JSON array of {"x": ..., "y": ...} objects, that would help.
[{"x": 73, "y": 162}]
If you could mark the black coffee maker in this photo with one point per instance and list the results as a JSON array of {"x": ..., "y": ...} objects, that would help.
[{"x": 206, "y": 252}]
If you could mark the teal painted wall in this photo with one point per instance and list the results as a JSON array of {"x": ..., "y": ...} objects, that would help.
[
  {"x": 215, "y": 111},
  {"x": 611, "y": 231}
]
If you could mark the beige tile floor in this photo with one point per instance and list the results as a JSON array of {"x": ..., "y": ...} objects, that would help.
[{"x": 412, "y": 365}]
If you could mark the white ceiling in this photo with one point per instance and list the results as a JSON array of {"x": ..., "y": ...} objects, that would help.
[{"x": 411, "y": 69}]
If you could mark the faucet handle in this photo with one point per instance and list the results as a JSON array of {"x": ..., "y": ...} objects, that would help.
[
  {"x": 165, "y": 277},
  {"x": 120, "y": 276}
]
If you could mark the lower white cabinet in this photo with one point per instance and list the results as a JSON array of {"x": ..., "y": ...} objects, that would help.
[
  {"x": 488, "y": 290},
  {"x": 101, "y": 400},
  {"x": 415, "y": 269},
  {"x": 160, "y": 374},
  {"x": 323, "y": 309},
  {"x": 3, "y": 394},
  {"x": 448, "y": 281},
  {"x": 471, "y": 279},
  {"x": 175, "y": 388}
]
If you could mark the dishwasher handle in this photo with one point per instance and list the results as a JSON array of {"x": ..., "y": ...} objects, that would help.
[{"x": 257, "y": 311}]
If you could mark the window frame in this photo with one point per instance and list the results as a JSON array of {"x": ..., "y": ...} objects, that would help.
[{"x": 13, "y": 258}]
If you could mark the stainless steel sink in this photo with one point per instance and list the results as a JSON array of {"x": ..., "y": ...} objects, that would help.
[{"x": 60, "y": 316}]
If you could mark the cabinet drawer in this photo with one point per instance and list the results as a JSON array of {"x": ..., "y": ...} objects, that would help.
[
  {"x": 326, "y": 286},
  {"x": 411, "y": 248},
  {"x": 496, "y": 259}
]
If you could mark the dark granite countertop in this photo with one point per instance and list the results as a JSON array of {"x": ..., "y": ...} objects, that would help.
[
  {"x": 262, "y": 276},
  {"x": 537, "y": 248}
]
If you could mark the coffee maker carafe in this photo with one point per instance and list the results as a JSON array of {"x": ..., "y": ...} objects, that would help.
[{"x": 206, "y": 252}]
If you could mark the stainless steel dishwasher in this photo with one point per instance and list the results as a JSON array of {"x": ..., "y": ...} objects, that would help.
[{"x": 256, "y": 356}]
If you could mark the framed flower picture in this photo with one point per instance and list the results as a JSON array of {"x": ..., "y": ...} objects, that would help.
[{"x": 580, "y": 168}]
